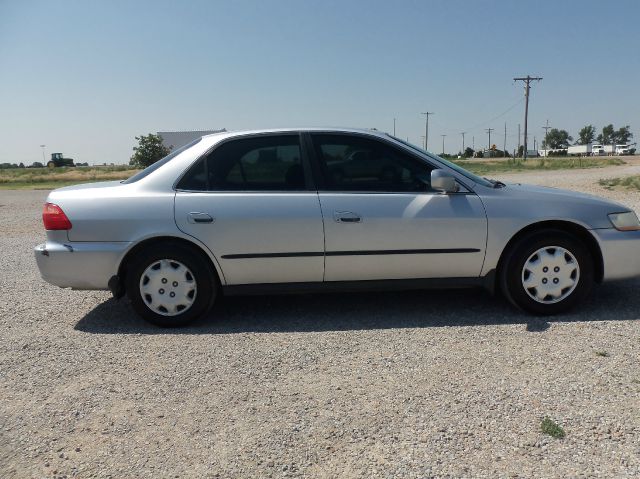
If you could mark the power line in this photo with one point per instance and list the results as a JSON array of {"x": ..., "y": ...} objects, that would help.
[
  {"x": 478, "y": 125},
  {"x": 527, "y": 82},
  {"x": 497, "y": 116}
]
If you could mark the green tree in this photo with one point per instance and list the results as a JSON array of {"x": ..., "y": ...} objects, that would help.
[
  {"x": 556, "y": 139},
  {"x": 623, "y": 135},
  {"x": 607, "y": 135},
  {"x": 610, "y": 135},
  {"x": 586, "y": 135},
  {"x": 468, "y": 152},
  {"x": 149, "y": 150}
]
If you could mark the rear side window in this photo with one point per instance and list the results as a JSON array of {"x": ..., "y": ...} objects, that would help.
[
  {"x": 264, "y": 163},
  {"x": 150, "y": 169}
]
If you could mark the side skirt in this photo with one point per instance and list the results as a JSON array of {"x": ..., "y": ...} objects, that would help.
[{"x": 486, "y": 282}]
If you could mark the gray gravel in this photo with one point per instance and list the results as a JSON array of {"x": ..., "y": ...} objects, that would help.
[{"x": 412, "y": 384}]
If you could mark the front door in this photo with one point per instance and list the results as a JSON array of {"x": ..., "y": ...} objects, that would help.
[
  {"x": 383, "y": 221},
  {"x": 249, "y": 202}
]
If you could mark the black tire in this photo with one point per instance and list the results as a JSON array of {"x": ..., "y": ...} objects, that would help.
[
  {"x": 51, "y": 164},
  {"x": 199, "y": 271},
  {"x": 512, "y": 273}
]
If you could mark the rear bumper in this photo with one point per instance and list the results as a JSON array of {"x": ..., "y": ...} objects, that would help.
[
  {"x": 620, "y": 253},
  {"x": 79, "y": 265}
]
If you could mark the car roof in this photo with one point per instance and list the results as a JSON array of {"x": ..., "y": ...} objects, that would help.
[{"x": 229, "y": 134}]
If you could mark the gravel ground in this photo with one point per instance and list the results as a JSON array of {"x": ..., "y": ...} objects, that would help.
[{"x": 411, "y": 384}]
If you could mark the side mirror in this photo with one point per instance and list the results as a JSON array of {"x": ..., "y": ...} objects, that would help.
[{"x": 443, "y": 181}]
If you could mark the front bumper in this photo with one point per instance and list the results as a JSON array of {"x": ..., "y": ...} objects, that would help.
[
  {"x": 620, "y": 253},
  {"x": 79, "y": 265}
]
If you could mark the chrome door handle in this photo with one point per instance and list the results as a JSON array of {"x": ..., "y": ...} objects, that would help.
[
  {"x": 199, "y": 218},
  {"x": 346, "y": 217}
]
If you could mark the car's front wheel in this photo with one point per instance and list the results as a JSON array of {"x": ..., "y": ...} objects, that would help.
[
  {"x": 170, "y": 285},
  {"x": 547, "y": 273}
]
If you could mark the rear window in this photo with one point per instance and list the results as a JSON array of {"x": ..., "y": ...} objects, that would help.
[{"x": 151, "y": 168}]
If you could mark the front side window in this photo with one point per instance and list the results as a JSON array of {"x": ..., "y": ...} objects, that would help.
[
  {"x": 354, "y": 163},
  {"x": 263, "y": 163},
  {"x": 453, "y": 166}
]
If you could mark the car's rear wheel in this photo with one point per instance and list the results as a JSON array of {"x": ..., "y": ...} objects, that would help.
[
  {"x": 170, "y": 285},
  {"x": 548, "y": 272}
]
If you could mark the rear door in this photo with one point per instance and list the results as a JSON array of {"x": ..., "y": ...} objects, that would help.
[
  {"x": 251, "y": 201},
  {"x": 383, "y": 221}
]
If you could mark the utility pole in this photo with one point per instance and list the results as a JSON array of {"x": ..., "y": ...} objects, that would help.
[
  {"x": 489, "y": 130},
  {"x": 394, "y": 127},
  {"x": 518, "y": 137},
  {"x": 426, "y": 128},
  {"x": 504, "y": 146},
  {"x": 462, "y": 133},
  {"x": 44, "y": 162},
  {"x": 473, "y": 143},
  {"x": 546, "y": 138},
  {"x": 443, "y": 144},
  {"x": 527, "y": 81}
]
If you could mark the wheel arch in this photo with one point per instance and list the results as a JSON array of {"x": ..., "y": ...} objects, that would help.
[
  {"x": 156, "y": 240},
  {"x": 574, "y": 229}
]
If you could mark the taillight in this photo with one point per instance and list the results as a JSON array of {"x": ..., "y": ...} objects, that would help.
[{"x": 54, "y": 218}]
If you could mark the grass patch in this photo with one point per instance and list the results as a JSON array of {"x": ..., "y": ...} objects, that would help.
[
  {"x": 549, "y": 164},
  {"x": 628, "y": 183},
  {"x": 602, "y": 354},
  {"x": 49, "y": 178},
  {"x": 549, "y": 427}
]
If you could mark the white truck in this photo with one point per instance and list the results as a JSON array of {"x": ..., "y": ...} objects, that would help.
[
  {"x": 601, "y": 150},
  {"x": 626, "y": 149},
  {"x": 580, "y": 150},
  {"x": 596, "y": 149}
]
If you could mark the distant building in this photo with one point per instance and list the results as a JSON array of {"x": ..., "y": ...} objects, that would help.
[{"x": 176, "y": 139}]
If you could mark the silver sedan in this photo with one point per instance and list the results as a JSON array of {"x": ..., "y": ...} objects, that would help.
[{"x": 310, "y": 210}]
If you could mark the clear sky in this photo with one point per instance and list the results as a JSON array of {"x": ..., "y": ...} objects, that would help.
[{"x": 85, "y": 77}]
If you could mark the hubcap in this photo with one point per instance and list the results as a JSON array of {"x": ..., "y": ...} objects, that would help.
[
  {"x": 168, "y": 287},
  {"x": 550, "y": 274}
]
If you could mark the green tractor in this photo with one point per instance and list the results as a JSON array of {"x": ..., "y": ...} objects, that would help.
[{"x": 58, "y": 160}]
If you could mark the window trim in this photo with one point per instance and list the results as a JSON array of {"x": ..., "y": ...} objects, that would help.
[
  {"x": 321, "y": 175},
  {"x": 142, "y": 174},
  {"x": 309, "y": 183}
]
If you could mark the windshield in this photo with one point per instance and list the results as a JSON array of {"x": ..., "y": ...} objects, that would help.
[
  {"x": 151, "y": 168},
  {"x": 453, "y": 166}
]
